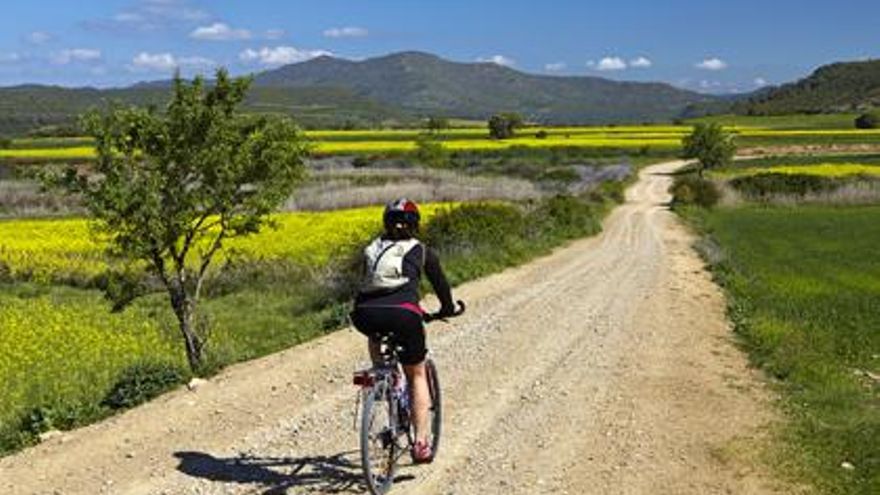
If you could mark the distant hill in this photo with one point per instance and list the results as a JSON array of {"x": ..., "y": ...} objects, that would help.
[
  {"x": 331, "y": 92},
  {"x": 425, "y": 84},
  {"x": 25, "y": 108},
  {"x": 840, "y": 87}
]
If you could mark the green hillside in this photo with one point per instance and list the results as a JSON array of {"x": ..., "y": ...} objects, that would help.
[{"x": 840, "y": 87}]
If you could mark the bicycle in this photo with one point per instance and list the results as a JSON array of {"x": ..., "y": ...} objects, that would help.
[{"x": 386, "y": 432}]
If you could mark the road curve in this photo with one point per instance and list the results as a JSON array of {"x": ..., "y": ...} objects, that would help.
[{"x": 606, "y": 367}]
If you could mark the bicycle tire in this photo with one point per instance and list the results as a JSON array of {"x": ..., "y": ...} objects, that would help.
[
  {"x": 436, "y": 408},
  {"x": 381, "y": 441}
]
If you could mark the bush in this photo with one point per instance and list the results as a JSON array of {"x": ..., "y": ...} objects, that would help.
[
  {"x": 504, "y": 125},
  {"x": 694, "y": 190},
  {"x": 142, "y": 382},
  {"x": 542, "y": 134},
  {"x": 868, "y": 120},
  {"x": 766, "y": 184},
  {"x": 710, "y": 145}
]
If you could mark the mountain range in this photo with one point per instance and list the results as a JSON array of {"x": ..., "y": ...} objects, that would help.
[
  {"x": 404, "y": 87},
  {"x": 397, "y": 88}
]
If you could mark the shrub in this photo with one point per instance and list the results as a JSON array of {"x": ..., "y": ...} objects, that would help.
[
  {"x": 868, "y": 120},
  {"x": 766, "y": 184},
  {"x": 694, "y": 190},
  {"x": 564, "y": 217},
  {"x": 142, "y": 382},
  {"x": 542, "y": 134}
]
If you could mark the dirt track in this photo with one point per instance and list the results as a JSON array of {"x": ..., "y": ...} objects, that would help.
[{"x": 605, "y": 368}]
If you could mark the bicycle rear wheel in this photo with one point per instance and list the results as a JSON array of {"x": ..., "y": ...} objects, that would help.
[
  {"x": 436, "y": 411},
  {"x": 378, "y": 443}
]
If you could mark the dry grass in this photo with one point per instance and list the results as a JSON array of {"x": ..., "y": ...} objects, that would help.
[
  {"x": 346, "y": 188},
  {"x": 25, "y": 199}
]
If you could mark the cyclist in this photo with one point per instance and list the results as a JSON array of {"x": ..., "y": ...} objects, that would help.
[{"x": 388, "y": 303}]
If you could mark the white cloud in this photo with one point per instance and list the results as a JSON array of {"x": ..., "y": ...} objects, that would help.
[
  {"x": 219, "y": 32},
  {"x": 346, "y": 32},
  {"x": 760, "y": 82},
  {"x": 151, "y": 15},
  {"x": 705, "y": 84},
  {"x": 166, "y": 62},
  {"x": 712, "y": 64},
  {"x": 274, "y": 34},
  {"x": 39, "y": 38},
  {"x": 556, "y": 67},
  {"x": 498, "y": 60},
  {"x": 641, "y": 63},
  {"x": 279, "y": 55},
  {"x": 67, "y": 56},
  {"x": 610, "y": 63}
]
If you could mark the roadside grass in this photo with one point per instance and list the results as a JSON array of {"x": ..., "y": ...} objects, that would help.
[
  {"x": 804, "y": 294},
  {"x": 255, "y": 307}
]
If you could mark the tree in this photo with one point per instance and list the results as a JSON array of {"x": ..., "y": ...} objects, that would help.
[
  {"x": 868, "y": 120},
  {"x": 169, "y": 189},
  {"x": 504, "y": 125},
  {"x": 430, "y": 151},
  {"x": 436, "y": 124},
  {"x": 711, "y": 145}
]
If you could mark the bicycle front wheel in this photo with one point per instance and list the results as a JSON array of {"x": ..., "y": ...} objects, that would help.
[
  {"x": 436, "y": 410},
  {"x": 378, "y": 443}
]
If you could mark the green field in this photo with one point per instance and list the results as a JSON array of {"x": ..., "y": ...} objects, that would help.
[{"x": 804, "y": 288}]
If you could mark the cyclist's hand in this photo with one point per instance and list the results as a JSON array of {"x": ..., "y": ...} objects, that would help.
[{"x": 446, "y": 312}]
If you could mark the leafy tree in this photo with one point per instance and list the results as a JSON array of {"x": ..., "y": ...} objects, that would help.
[
  {"x": 504, "y": 125},
  {"x": 711, "y": 145},
  {"x": 430, "y": 151},
  {"x": 436, "y": 124},
  {"x": 169, "y": 189},
  {"x": 868, "y": 120}
]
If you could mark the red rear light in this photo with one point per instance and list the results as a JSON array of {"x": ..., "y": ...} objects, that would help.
[{"x": 363, "y": 379}]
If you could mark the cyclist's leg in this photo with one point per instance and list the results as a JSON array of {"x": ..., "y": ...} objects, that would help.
[
  {"x": 411, "y": 335},
  {"x": 421, "y": 398}
]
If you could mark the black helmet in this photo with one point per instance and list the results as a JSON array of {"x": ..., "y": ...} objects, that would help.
[{"x": 401, "y": 211}]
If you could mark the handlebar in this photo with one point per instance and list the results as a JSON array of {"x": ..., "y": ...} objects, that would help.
[{"x": 438, "y": 316}]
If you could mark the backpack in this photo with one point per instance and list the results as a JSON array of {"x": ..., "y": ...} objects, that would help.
[{"x": 384, "y": 264}]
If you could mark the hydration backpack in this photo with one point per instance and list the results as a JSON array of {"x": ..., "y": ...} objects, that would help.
[{"x": 384, "y": 264}]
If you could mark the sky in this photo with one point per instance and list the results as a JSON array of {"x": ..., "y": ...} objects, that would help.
[{"x": 715, "y": 47}]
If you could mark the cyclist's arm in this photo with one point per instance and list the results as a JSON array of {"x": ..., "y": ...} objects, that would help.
[{"x": 438, "y": 281}]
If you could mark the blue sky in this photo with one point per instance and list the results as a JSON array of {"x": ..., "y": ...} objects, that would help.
[{"x": 708, "y": 46}]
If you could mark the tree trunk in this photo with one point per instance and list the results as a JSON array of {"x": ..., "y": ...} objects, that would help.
[{"x": 183, "y": 309}]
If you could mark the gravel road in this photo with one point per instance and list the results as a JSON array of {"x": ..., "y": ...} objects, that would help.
[{"x": 607, "y": 367}]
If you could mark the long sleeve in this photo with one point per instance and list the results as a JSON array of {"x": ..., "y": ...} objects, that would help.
[{"x": 438, "y": 280}]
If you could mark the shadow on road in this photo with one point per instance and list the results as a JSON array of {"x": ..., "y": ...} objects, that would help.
[{"x": 340, "y": 473}]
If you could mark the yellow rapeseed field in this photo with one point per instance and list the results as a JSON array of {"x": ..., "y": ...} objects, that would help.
[
  {"x": 627, "y": 137},
  {"x": 58, "y": 353},
  {"x": 59, "y": 249}
]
